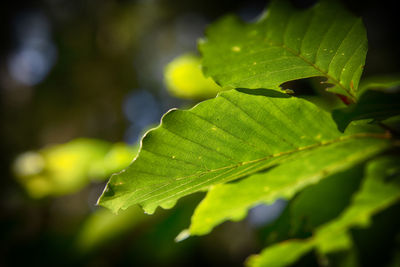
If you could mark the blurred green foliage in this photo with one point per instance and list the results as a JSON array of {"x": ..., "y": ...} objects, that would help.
[
  {"x": 184, "y": 78},
  {"x": 66, "y": 168},
  {"x": 103, "y": 226}
]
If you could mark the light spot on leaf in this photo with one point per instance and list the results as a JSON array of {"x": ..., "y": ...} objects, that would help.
[{"x": 236, "y": 48}]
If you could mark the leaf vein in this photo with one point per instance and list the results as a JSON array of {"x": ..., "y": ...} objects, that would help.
[{"x": 309, "y": 147}]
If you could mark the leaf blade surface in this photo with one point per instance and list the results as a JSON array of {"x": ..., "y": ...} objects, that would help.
[
  {"x": 234, "y": 135},
  {"x": 287, "y": 44},
  {"x": 231, "y": 201},
  {"x": 375, "y": 194}
]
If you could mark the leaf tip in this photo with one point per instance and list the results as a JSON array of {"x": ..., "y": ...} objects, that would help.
[
  {"x": 148, "y": 209},
  {"x": 184, "y": 234}
]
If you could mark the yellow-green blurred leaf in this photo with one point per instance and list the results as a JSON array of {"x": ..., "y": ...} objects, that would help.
[
  {"x": 184, "y": 79},
  {"x": 103, "y": 226},
  {"x": 66, "y": 168}
]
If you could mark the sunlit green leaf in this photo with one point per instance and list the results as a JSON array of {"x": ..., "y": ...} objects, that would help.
[
  {"x": 234, "y": 135},
  {"x": 231, "y": 201},
  {"x": 379, "y": 190},
  {"x": 287, "y": 44}
]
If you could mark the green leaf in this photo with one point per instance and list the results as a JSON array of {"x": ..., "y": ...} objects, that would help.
[
  {"x": 379, "y": 190},
  {"x": 234, "y": 135},
  {"x": 393, "y": 123},
  {"x": 379, "y": 82},
  {"x": 373, "y": 104},
  {"x": 231, "y": 201},
  {"x": 333, "y": 192},
  {"x": 280, "y": 255},
  {"x": 102, "y": 227},
  {"x": 287, "y": 44}
]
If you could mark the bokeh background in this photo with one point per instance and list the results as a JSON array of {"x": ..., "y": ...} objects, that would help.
[{"x": 80, "y": 81}]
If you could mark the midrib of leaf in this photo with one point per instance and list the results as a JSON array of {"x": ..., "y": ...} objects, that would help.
[
  {"x": 234, "y": 166},
  {"x": 183, "y": 137}
]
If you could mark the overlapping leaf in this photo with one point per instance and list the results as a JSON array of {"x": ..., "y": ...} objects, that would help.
[
  {"x": 231, "y": 201},
  {"x": 324, "y": 201},
  {"x": 381, "y": 82},
  {"x": 372, "y": 104},
  {"x": 287, "y": 44},
  {"x": 379, "y": 190},
  {"x": 234, "y": 135}
]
